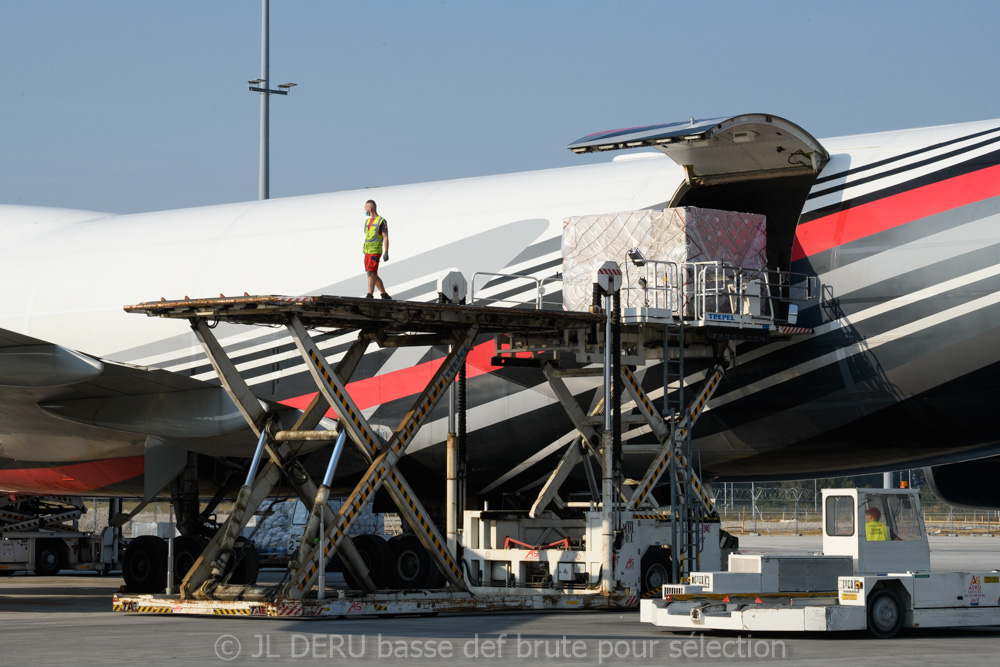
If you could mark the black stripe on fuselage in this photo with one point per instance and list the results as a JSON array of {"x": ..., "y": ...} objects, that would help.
[
  {"x": 887, "y": 240},
  {"x": 967, "y": 167},
  {"x": 784, "y": 357},
  {"x": 280, "y": 337},
  {"x": 283, "y": 344},
  {"x": 898, "y": 158},
  {"x": 861, "y": 384},
  {"x": 905, "y": 434}
]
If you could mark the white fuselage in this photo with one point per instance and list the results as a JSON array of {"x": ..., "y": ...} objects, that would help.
[{"x": 68, "y": 274}]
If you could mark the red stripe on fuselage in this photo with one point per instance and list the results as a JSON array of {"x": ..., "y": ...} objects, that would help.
[
  {"x": 858, "y": 222},
  {"x": 381, "y": 389},
  {"x": 71, "y": 478},
  {"x": 77, "y": 478}
]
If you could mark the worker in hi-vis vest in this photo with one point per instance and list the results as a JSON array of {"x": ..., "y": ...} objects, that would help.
[
  {"x": 875, "y": 530},
  {"x": 376, "y": 248}
]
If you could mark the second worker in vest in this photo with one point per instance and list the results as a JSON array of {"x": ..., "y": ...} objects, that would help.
[
  {"x": 875, "y": 530},
  {"x": 376, "y": 248}
]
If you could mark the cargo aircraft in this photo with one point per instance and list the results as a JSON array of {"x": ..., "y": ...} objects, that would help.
[{"x": 901, "y": 229}]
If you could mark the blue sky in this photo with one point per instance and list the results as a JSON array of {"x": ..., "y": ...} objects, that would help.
[{"x": 135, "y": 105}]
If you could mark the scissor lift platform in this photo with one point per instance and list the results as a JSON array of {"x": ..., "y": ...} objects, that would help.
[
  {"x": 390, "y": 323},
  {"x": 389, "y": 316}
]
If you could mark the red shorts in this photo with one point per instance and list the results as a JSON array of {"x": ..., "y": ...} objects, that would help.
[{"x": 371, "y": 262}]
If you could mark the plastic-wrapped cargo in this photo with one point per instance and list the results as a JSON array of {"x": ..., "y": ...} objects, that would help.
[
  {"x": 277, "y": 535},
  {"x": 679, "y": 235}
]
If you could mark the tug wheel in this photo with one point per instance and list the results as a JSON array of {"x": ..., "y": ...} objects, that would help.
[
  {"x": 48, "y": 558},
  {"x": 885, "y": 614},
  {"x": 655, "y": 570}
]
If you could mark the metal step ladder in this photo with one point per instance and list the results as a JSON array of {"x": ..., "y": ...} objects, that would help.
[{"x": 690, "y": 502}]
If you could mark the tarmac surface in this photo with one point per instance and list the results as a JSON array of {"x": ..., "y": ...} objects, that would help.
[{"x": 67, "y": 619}]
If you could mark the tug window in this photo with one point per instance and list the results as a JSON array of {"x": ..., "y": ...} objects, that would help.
[{"x": 839, "y": 516}]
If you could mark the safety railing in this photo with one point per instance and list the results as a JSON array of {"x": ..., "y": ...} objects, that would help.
[
  {"x": 538, "y": 302},
  {"x": 720, "y": 288},
  {"x": 658, "y": 286},
  {"x": 693, "y": 289}
]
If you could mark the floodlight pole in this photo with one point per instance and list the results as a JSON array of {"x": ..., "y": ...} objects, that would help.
[
  {"x": 265, "y": 96},
  {"x": 261, "y": 86}
]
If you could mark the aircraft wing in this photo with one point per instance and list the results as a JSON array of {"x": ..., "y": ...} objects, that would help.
[{"x": 71, "y": 423}]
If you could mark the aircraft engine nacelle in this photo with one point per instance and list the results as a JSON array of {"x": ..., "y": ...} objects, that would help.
[{"x": 969, "y": 484}]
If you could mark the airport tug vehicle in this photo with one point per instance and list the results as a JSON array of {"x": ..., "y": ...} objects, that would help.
[{"x": 874, "y": 574}]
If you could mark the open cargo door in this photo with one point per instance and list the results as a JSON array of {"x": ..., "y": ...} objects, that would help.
[
  {"x": 753, "y": 163},
  {"x": 722, "y": 150}
]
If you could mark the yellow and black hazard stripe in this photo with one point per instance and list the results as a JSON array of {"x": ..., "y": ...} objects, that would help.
[
  {"x": 343, "y": 402},
  {"x": 416, "y": 417},
  {"x": 708, "y": 391},
  {"x": 643, "y": 398},
  {"x": 347, "y": 513},
  {"x": 140, "y": 609},
  {"x": 230, "y": 612},
  {"x": 428, "y": 527}
]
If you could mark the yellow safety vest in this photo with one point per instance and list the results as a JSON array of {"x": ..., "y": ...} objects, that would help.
[
  {"x": 876, "y": 531},
  {"x": 373, "y": 240}
]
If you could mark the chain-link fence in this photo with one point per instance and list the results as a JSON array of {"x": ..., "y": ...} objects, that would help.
[
  {"x": 775, "y": 508},
  {"x": 795, "y": 508},
  {"x": 768, "y": 509}
]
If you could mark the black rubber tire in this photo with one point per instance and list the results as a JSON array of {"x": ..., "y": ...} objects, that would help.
[
  {"x": 655, "y": 570},
  {"x": 247, "y": 565},
  {"x": 409, "y": 563},
  {"x": 885, "y": 613},
  {"x": 187, "y": 549},
  {"x": 144, "y": 565},
  {"x": 374, "y": 552},
  {"x": 48, "y": 558},
  {"x": 334, "y": 564},
  {"x": 434, "y": 578}
]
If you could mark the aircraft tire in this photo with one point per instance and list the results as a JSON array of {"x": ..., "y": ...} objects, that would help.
[
  {"x": 247, "y": 565},
  {"x": 409, "y": 562},
  {"x": 144, "y": 565},
  {"x": 374, "y": 552},
  {"x": 187, "y": 549},
  {"x": 434, "y": 578}
]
